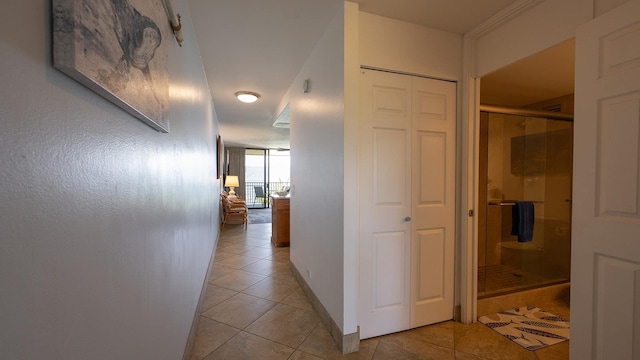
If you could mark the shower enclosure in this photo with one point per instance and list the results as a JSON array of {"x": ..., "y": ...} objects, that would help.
[{"x": 524, "y": 157}]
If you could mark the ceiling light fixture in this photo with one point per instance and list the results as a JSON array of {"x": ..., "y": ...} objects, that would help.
[{"x": 247, "y": 96}]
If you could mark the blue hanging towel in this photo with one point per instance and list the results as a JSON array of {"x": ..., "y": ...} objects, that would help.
[{"x": 522, "y": 217}]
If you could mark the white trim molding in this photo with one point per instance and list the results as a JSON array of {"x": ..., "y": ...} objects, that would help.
[{"x": 470, "y": 135}]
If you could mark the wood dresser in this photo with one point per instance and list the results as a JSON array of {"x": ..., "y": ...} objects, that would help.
[{"x": 280, "y": 220}]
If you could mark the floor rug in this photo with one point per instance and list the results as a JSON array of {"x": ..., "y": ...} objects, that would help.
[
  {"x": 259, "y": 216},
  {"x": 529, "y": 327}
]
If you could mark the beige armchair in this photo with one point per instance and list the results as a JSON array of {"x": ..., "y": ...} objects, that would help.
[{"x": 234, "y": 210}]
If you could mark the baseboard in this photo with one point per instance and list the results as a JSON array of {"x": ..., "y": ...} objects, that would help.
[
  {"x": 196, "y": 317},
  {"x": 346, "y": 343}
]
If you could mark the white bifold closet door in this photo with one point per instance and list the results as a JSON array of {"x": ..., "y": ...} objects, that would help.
[{"x": 407, "y": 201}]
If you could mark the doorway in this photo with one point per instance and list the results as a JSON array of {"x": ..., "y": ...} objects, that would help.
[
  {"x": 266, "y": 172},
  {"x": 525, "y": 154},
  {"x": 524, "y": 159}
]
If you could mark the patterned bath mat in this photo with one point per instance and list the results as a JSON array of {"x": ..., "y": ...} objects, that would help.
[{"x": 529, "y": 327}]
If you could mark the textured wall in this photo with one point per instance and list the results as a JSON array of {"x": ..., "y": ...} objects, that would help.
[
  {"x": 546, "y": 24},
  {"x": 397, "y": 45},
  {"x": 106, "y": 226},
  {"x": 317, "y": 143}
]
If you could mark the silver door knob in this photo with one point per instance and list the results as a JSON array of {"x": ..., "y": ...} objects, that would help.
[{"x": 407, "y": 219}]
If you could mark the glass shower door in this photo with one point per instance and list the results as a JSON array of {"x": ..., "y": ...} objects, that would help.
[{"x": 524, "y": 159}]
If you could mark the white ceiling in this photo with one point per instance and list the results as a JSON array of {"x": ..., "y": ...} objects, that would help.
[
  {"x": 546, "y": 75},
  {"x": 457, "y": 16},
  {"x": 260, "y": 45}
]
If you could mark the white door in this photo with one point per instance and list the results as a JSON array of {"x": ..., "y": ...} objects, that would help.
[
  {"x": 433, "y": 200},
  {"x": 389, "y": 204},
  {"x": 605, "y": 262},
  {"x": 385, "y": 202}
]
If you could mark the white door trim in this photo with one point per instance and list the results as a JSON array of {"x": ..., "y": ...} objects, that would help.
[{"x": 469, "y": 152}]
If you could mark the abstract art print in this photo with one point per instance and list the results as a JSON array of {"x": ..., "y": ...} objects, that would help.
[{"x": 117, "y": 48}]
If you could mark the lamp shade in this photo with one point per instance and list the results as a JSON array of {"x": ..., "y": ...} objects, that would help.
[{"x": 232, "y": 180}]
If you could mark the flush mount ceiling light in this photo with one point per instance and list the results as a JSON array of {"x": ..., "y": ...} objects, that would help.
[{"x": 247, "y": 96}]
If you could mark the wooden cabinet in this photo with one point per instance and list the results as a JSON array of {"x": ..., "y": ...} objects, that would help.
[{"x": 280, "y": 220}]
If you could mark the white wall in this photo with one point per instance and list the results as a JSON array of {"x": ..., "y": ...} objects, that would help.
[
  {"x": 106, "y": 226},
  {"x": 546, "y": 24},
  {"x": 351, "y": 129},
  {"x": 317, "y": 135},
  {"x": 603, "y": 6},
  {"x": 393, "y": 45},
  {"x": 397, "y": 45}
]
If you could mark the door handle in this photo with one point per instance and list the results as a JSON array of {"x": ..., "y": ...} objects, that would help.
[{"x": 407, "y": 219}]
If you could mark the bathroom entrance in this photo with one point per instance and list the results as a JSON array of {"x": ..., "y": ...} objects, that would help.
[{"x": 525, "y": 195}]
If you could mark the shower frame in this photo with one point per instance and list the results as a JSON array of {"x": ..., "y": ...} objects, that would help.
[{"x": 526, "y": 113}]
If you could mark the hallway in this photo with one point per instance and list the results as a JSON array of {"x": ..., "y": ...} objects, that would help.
[{"x": 255, "y": 309}]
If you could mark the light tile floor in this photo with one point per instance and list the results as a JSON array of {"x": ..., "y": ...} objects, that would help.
[{"x": 255, "y": 309}]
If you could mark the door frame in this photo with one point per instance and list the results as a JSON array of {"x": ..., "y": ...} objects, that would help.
[{"x": 470, "y": 167}]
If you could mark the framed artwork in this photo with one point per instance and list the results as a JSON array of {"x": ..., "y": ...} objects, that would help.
[
  {"x": 220, "y": 157},
  {"x": 117, "y": 48}
]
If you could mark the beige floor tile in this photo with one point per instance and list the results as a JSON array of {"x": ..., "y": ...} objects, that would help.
[
  {"x": 438, "y": 334},
  {"x": 558, "y": 351},
  {"x": 221, "y": 255},
  {"x": 235, "y": 237},
  {"x": 285, "y": 324},
  {"x": 268, "y": 246},
  {"x": 237, "y": 248},
  {"x": 238, "y": 261},
  {"x": 257, "y": 241},
  {"x": 479, "y": 340},
  {"x": 262, "y": 267},
  {"x": 281, "y": 256},
  {"x": 229, "y": 239},
  {"x": 209, "y": 336},
  {"x": 260, "y": 227},
  {"x": 321, "y": 344},
  {"x": 298, "y": 299},
  {"x": 264, "y": 237},
  {"x": 366, "y": 351},
  {"x": 240, "y": 310},
  {"x": 246, "y": 346},
  {"x": 237, "y": 280},
  {"x": 284, "y": 274},
  {"x": 260, "y": 252},
  {"x": 246, "y": 262},
  {"x": 299, "y": 355},
  {"x": 273, "y": 289},
  {"x": 215, "y": 295},
  {"x": 266, "y": 267},
  {"x": 261, "y": 234},
  {"x": 218, "y": 271},
  {"x": 401, "y": 347},
  {"x": 558, "y": 307},
  {"x": 464, "y": 356}
]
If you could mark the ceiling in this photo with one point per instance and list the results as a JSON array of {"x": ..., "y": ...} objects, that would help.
[
  {"x": 260, "y": 45},
  {"x": 548, "y": 74}
]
